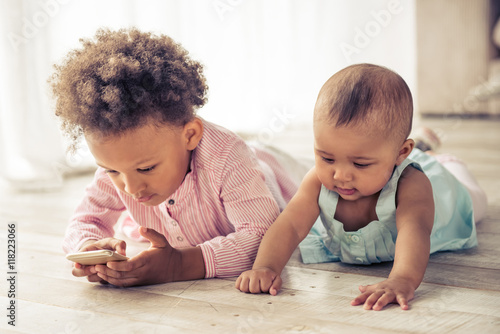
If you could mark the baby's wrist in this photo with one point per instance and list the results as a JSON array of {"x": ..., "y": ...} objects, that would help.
[
  {"x": 412, "y": 281},
  {"x": 268, "y": 268}
]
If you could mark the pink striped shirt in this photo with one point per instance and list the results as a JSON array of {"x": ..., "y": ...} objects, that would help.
[{"x": 225, "y": 204}]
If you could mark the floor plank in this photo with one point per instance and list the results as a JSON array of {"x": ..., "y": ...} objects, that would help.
[{"x": 53, "y": 319}]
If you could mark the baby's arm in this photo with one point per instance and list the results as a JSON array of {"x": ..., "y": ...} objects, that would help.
[
  {"x": 279, "y": 242},
  {"x": 414, "y": 220}
]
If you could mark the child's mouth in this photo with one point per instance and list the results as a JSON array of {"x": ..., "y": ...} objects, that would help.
[
  {"x": 144, "y": 199},
  {"x": 345, "y": 192}
]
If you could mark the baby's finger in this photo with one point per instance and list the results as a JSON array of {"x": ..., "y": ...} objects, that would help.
[
  {"x": 265, "y": 281},
  {"x": 276, "y": 286},
  {"x": 114, "y": 244},
  {"x": 237, "y": 283},
  {"x": 386, "y": 298},
  {"x": 82, "y": 271},
  {"x": 403, "y": 302},
  {"x": 254, "y": 285},
  {"x": 120, "y": 246},
  {"x": 94, "y": 278},
  {"x": 363, "y": 288},
  {"x": 243, "y": 283},
  {"x": 372, "y": 299},
  {"x": 360, "y": 299},
  {"x": 89, "y": 247},
  {"x": 111, "y": 273},
  {"x": 127, "y": 265}
]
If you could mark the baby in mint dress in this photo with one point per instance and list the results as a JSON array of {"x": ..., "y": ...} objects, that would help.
[
  {"x": 454, "y": 227},
  {"x": 371, "y": 196}
]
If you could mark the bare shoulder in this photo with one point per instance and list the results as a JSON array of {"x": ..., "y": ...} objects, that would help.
[
  {"x": 413, "y": 175},
  {"x": 306, "y": 197},
  {"x": 311, "y": 185},
  {"x": 414, "y": 189},
  {"x": 414, "y": 200}
]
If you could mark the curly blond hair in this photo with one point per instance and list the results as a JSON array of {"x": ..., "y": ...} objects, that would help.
[{"x": 121, "y": 79}]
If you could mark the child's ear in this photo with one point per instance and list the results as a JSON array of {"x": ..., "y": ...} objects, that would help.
[
  {"x": 193, "y": 131},
  {"x": 404, "y": 151}
]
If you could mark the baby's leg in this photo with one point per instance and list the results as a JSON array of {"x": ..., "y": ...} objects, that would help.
[{"x": 460, "y": 171}]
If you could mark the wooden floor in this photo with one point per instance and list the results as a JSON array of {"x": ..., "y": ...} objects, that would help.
[{"x": 460, "y": 293}]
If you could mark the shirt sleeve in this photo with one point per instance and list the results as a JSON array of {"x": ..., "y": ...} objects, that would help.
[
  {"x": 250, "y": 208},
  {"x": 96, "y": 215}
]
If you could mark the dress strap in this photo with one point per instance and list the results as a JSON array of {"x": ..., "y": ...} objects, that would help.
[{"x": 386, "y": 204}]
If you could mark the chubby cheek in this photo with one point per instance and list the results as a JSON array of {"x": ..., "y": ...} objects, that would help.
[
  {"x": 374, "y": 182},
  {"x": 325, "y": 177}
]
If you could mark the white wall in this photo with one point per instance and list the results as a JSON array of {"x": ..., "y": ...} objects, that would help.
[{"x": 265, "y": 60}]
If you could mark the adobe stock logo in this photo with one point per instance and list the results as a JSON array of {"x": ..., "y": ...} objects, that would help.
[
  {"x": 31, "y": 26},
  {"x": 372, "y": 28},
  {"x": 276, "y": 124}
]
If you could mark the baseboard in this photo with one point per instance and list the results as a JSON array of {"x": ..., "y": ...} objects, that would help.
[{"x": 452, "y": 115}]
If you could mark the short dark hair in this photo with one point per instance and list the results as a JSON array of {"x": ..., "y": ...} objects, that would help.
[
  {"x": 120, "y": 79},
  {"x": 363, "y": 92}
]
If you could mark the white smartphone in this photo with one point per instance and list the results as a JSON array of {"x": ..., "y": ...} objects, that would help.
[{"x": 95, "y": 257}]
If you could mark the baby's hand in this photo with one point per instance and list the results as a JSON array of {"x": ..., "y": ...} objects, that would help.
[
  {"x": 157, "y": 264},
  {"x": 259, "y": 280},
  {"x": 90, "y": 272},
  {"x": 392, "y": 290}
]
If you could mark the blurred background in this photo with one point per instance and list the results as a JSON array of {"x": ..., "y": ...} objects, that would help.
[{"x": 265, "y": 62}]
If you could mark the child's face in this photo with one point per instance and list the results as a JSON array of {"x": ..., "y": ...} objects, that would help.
[
  {"x": 355, "y": 163},
  {"x": 148, "y": 163}
]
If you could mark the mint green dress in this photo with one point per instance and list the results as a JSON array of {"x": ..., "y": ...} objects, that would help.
[{"x": 454, "y": 226}]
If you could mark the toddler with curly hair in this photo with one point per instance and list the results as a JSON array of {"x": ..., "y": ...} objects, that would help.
[{"x": 201, "y": 195}]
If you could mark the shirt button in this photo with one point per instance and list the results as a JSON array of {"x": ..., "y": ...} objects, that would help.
[
  {"x": 171, "y": 202},
  {"x": 180, "y": 238},
  {"x": 355, "y": 238},
  {"x": 174, "y": 223}
]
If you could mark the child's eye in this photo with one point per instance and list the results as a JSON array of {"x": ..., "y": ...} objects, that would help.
[
  {"x": 110, "y": 171},
  {"x": 145, "y": 170},
  {"x": 361, "y": 165},
  {"x": 329, "y": 161}
]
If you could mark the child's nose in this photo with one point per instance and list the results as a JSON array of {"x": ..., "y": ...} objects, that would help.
[
  {"x": 132, "y": 186},
  {"x": 342, "y": 174}
]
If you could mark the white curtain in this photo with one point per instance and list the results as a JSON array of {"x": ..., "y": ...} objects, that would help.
[{"x": 264, "y": 61}]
